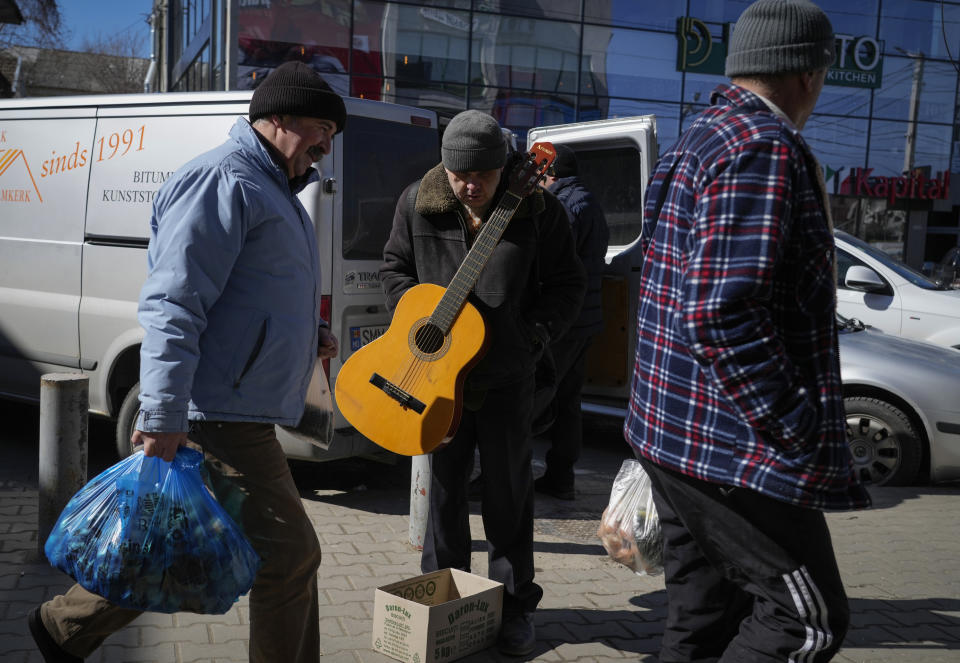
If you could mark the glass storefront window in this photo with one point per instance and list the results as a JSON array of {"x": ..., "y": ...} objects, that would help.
[
  {"x": 916, "y": 26},
  {"x": 888, "y": 145},
  {"x": 849, "y": 101},
  {"x": 425, "y": 55},
  {"x": 317, "y": 33},
  {"x": 839, "y": 144},
  {"x": 937, "y": 90},
  {"x": 520, "y": 111},
  {"x": 933, "y": 147},
  {"x": 853, "y": 17},
  {"x": 452, "y": 4},
  {"x": 727, "y": 11},
  {"x": 567, "y": 10},
  {"x": 630, "y": 63},
  {"x": 697, "y": 88},
  {"x": 525, "y": 54},
  {"x": 633, "y": 14}
]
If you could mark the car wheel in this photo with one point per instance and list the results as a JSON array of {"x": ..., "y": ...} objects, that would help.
[
  {"x": 126, "y": 419},
  {"x": 886, "y": 448}
]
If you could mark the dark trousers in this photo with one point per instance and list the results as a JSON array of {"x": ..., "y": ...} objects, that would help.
[
  {"x": 500, "y": 429},
  {"x": 566, "y": 433},
  {"x": 748, "y": 578}
]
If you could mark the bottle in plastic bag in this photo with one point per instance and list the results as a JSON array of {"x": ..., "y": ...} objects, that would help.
[{"x": 147, "y": 534}]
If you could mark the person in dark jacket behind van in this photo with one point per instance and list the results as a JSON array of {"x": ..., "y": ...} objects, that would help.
[
  {"x": 736, "y": 407},
  {"x": 436, "y": 222},
  {"x": 231, "y": 311},
  {"x": 591, "y": 236}
]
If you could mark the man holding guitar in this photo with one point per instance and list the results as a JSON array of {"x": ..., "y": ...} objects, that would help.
[{"x": 530, "y": 289}]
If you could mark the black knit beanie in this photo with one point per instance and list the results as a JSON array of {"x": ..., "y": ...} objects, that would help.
[
  {"x": 472, "y": 142},
  {"x": 778, "y": 37},
  {"x": 565, "y": 163},
  {"x": 294, "y": 88}
]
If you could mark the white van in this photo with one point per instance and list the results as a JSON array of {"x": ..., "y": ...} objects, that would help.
[{"x": 77, "y": 178}]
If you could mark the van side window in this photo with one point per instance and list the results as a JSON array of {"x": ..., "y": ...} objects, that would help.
[
  {"x": 615, "y": 177},
  {"x": 371, "y": 187}
]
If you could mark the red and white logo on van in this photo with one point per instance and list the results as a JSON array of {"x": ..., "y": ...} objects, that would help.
[{"x": 17, "y": 184}]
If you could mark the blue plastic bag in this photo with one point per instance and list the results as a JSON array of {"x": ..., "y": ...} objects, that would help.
[{"x": 147, "y": 534}]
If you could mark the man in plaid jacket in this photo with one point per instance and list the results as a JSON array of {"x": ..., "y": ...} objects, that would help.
[{"x": 736, "y": 409}]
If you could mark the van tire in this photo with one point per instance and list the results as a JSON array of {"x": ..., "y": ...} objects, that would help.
[{"x": 126, "y": 419}]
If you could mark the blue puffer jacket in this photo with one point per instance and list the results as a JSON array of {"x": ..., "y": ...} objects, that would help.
[{"x": 231, "y": 304}]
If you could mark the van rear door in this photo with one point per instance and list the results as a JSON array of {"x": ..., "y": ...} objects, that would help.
[
  {"x": 615, "y": 158},
  {"x": 44, "y": 161}
]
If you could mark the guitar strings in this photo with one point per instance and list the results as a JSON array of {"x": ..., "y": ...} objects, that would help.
[{"x": 434, "y": 336}]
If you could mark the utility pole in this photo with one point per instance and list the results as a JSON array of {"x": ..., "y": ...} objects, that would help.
[{"x": 911, "y": 146}]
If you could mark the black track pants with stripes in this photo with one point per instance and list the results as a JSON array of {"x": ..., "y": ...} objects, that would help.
[{"x": 748, "y": 578}]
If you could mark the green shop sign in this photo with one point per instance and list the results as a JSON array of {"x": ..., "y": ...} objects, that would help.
[{"x": 859, "y": 59}]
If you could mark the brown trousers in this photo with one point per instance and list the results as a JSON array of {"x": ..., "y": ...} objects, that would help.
[{"x": 251, "y": 479}]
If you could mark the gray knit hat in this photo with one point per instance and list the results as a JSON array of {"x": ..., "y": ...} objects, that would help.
[
  {"x": 780, "y": 36},
  {"x": 473, "y": 141}
]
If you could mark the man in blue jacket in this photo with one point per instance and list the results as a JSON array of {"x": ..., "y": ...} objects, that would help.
[
  {"x": 590, "y": 236},
  {"x": 231, "y": 311},
  {"x": 736, "y": 408}
]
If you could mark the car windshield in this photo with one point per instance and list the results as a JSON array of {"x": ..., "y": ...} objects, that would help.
[{"x": 905, "y": 271}]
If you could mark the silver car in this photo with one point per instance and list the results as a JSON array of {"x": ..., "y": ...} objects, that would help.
[{"x": 902, "y": 400}]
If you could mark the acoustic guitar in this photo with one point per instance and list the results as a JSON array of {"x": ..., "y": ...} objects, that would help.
[{"x": 404, "y": 390}]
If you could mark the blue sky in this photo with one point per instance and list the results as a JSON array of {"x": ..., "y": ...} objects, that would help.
[{"x": 87, "y": 18}]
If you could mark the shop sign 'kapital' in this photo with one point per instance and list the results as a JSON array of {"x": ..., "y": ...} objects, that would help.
[{"x": 861, "y": 182}]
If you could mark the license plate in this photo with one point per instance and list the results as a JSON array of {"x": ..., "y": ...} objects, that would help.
[{"x": 360, "y": 336}]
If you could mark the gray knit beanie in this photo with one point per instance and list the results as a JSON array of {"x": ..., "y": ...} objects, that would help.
[
  {"x": 473, "y": 141},
  {"x": 780, "y": 36}
]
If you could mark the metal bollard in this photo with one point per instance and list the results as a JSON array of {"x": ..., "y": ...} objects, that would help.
[
  {"x": 64, "y": 400},
  {"x": 419, "y": 498}
]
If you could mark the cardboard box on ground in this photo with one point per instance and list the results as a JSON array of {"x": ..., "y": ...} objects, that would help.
[{"x": 440, "y": 616}]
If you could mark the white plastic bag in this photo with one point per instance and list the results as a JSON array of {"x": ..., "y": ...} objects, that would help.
[{"x": 629, "y": 527}]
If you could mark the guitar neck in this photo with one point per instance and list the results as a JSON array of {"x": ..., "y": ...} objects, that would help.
[{"x": 466, "y": 277}]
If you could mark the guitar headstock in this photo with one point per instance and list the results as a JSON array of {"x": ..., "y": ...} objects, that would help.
[{"x": 530, "y": 171}]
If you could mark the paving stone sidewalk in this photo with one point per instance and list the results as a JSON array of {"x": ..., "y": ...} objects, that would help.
[{"x": 900, "y": 562}]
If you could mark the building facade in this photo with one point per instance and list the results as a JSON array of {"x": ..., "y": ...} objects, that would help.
[{"x": 886, "y": 128}]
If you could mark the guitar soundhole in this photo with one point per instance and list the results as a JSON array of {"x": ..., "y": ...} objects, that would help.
[{"x": 429, "y": 339}]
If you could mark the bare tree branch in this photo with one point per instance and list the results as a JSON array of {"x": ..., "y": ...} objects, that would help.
[{"x": 42, "y": 26}]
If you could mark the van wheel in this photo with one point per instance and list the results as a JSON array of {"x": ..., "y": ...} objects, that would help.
[
  {"x": 126, "y": 419},
  {"x": 885, "y": 447}
]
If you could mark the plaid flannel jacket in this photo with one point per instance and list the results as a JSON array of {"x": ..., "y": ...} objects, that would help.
[{"x": 737, "y": 374}]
